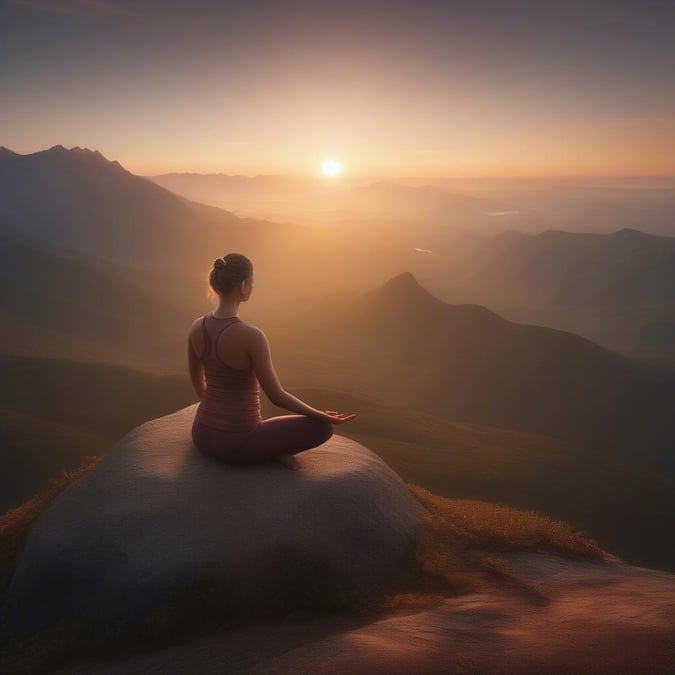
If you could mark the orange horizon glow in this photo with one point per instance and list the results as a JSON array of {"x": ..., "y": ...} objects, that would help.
[
  {"x": 583, "y": 167},
  {"x": 449, "y": 92},
  {"x": 616, "y": 147}
]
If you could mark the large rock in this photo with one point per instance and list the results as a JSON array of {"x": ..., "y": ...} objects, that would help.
[{"x": 156, "y": 517}]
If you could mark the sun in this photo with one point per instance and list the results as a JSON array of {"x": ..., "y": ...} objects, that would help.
[{"x": 331, "y": 167}]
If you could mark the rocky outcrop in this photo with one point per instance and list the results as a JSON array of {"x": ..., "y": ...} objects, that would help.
[{"x": 156, "y": 518}]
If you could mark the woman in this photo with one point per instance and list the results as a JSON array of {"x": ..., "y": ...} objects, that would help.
[{"x": 227, "y": 359}]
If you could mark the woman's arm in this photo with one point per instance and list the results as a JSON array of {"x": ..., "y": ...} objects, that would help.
[
  {"x": 261, "y": 359},
  {"x": 196, "y": 371}
]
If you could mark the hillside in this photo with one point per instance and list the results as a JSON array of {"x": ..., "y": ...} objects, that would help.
[
  {"x": 59, "y": 303},
  {"x": 79, "y": 200},
  {"x": 403, "y": 345}
]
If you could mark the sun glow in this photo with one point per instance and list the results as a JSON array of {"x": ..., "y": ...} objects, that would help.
[{"x": 331, "y": 167}]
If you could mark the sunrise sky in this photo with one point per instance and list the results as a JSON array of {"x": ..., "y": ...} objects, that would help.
[{"x": 423, "y": 88}]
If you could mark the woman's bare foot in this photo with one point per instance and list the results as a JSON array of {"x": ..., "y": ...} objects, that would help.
[{"x": 290, "y": 461}]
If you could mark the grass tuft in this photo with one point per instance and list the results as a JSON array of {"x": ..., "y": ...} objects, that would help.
[{"x": 461, "y": 545}]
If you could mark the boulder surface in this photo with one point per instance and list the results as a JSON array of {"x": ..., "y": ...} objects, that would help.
[{"x": 156, "y": 517}]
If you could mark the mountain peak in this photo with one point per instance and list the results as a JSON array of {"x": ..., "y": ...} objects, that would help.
[
  {"x": 6, "y": 153},
  {"x": 405, "y": 277},
  {"x": 403, "y": 293},
  {"x": 403, "y": 283},
  {"x": 76, "y": 155},
  {"x": 74, "y": 151}
]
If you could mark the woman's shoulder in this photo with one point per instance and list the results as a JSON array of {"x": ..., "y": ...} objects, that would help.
[
  {"x": 196, "y": 324},
  {"x": 249, "y": 328}
]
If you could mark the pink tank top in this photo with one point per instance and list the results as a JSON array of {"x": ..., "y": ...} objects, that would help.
[{"x": 232, "y": 399}]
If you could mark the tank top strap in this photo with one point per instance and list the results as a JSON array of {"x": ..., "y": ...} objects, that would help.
[
  {"x": 212, "y": 342},
  {"x": 207, "y": 339},
  {"x": 226, "y": 326},
  {"x": 215, "y": 341}
]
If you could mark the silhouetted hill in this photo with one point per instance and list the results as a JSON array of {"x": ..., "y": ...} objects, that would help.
[
  {"x": 466, "y": 363},
  {"x": 56, "y": 302},
  {"x": 653, "y": 284},
  {"x": 6, "y": 153},
  {"x": 403, "y": 295},
  {"x": 79, "y": 200}
]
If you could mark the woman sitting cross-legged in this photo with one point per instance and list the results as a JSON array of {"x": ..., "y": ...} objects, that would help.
[{"x": 228, "y": 360}]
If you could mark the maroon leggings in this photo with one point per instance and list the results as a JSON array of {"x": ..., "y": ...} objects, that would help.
[{"x": 272, "y": 437}]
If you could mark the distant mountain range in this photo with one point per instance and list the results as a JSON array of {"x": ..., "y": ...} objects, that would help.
[
  {"x": 78, "y": 200},
  {"x": 485, "y": 205},
  {"x": 318, "y": 201},
  {"x": 586, "y": 204},
  {"x": 617, "y": 288},
  {"x": 626, "y": 267}
]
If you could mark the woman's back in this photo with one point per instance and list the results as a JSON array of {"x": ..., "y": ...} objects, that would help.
[
  {"x": 232, "y": 399},
  {"x": 227, "y": 423}
]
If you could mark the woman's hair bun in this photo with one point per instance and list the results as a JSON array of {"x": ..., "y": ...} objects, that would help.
[{"x": 237, "y": 268}]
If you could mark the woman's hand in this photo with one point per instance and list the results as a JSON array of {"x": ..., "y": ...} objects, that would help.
[{"x": 339, "y": 418}]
